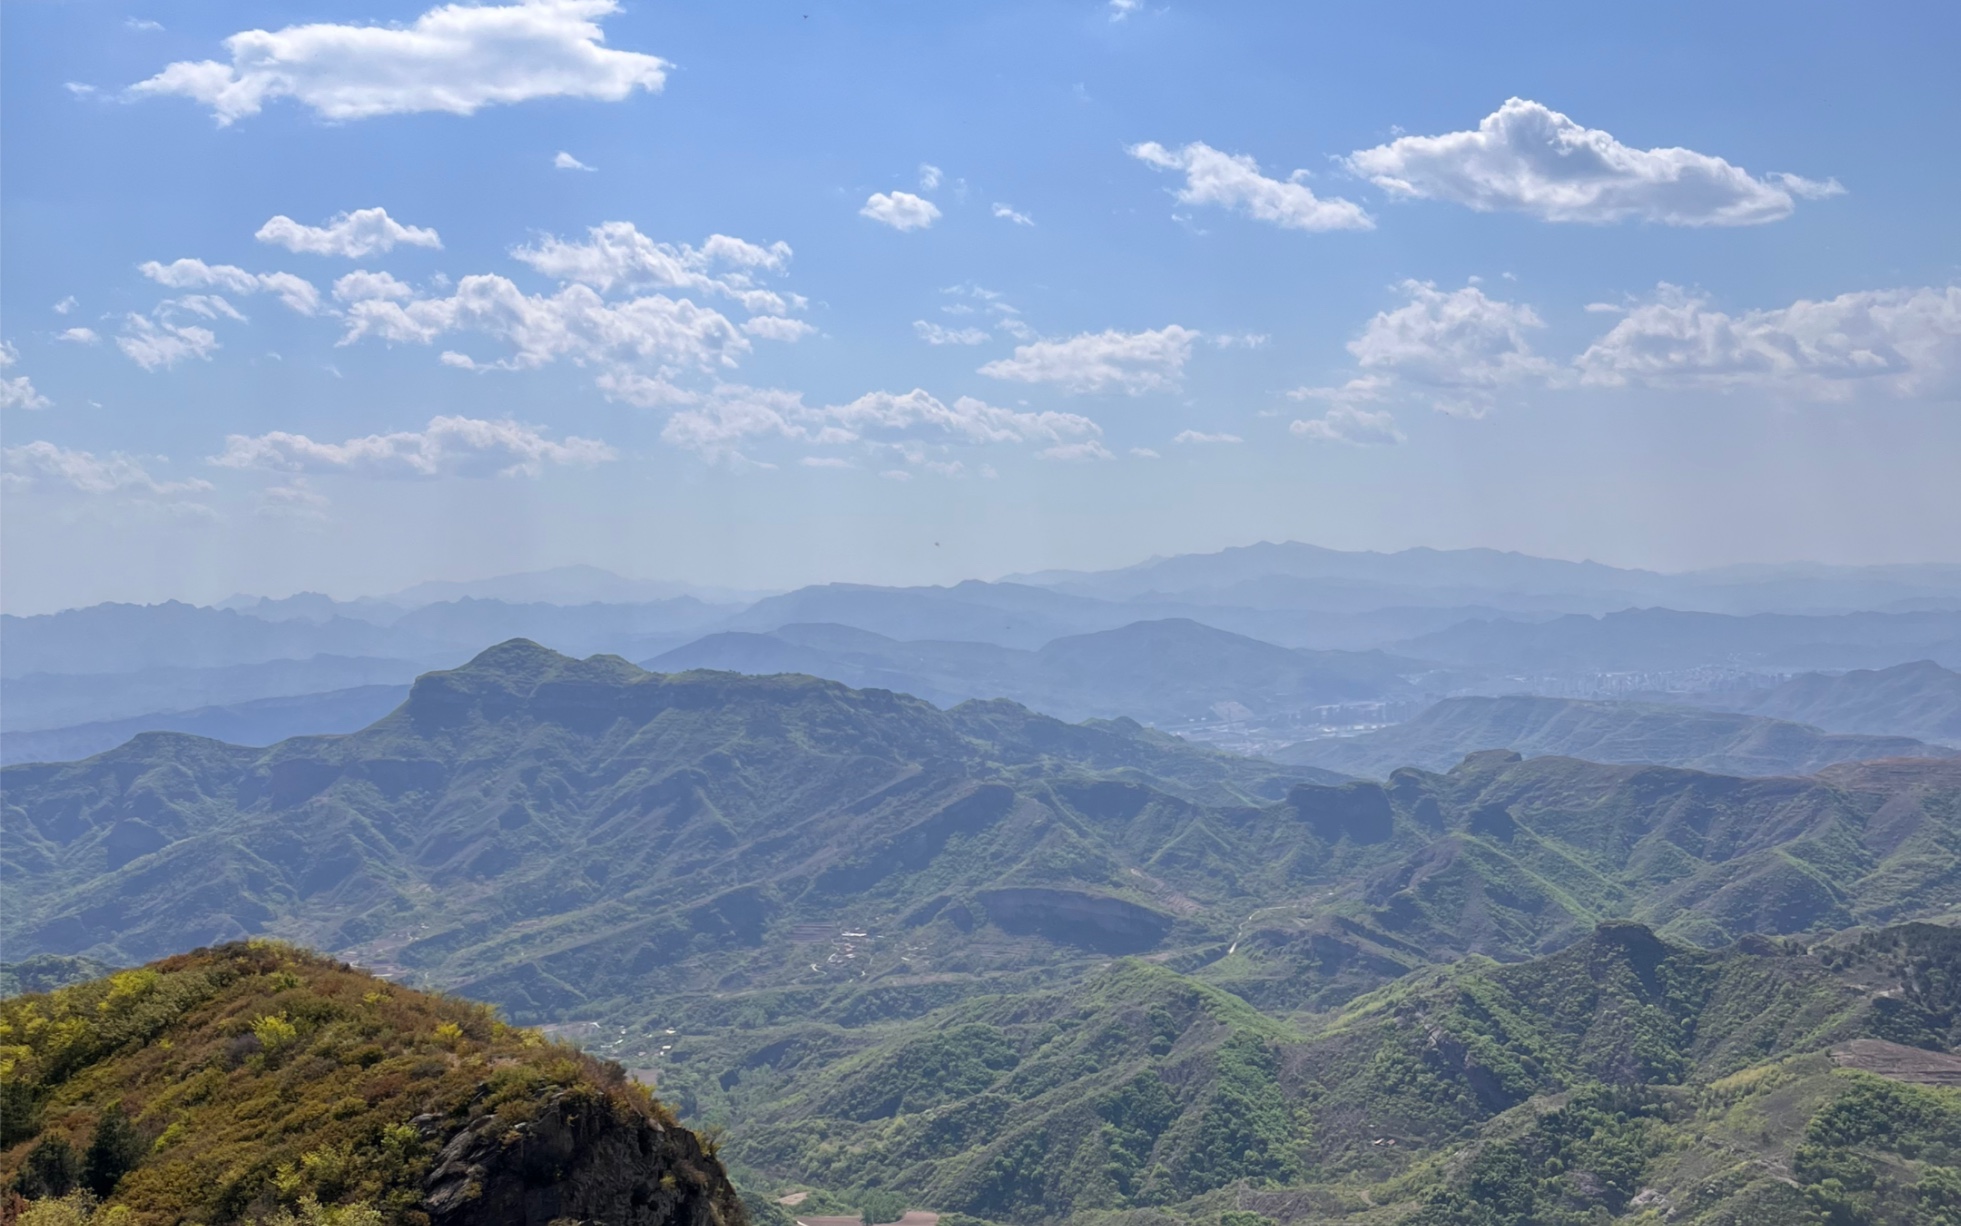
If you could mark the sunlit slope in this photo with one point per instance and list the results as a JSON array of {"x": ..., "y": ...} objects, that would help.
[
  {"x": 1564, "y": 1087},
  {"x": 254, "y": 1083}
]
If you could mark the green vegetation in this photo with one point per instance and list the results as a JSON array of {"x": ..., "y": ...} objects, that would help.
[
  {"x": 260, "y": 1083},
  {"x": 978, "y": 961}
]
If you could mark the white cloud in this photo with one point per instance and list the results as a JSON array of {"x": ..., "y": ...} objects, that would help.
[
  {"x": 1133, "y": 362},
  {"x": 1234, "y": 181},
  {"x": 1197, "y": 436},
  {"x": 929, "y": 176},
  {"x": 448, "y": 446},
  {"x": 351, "y": 236},
  {"x": 1362, "y": 387},
  {"x": 141, "y": 24},
  {"x": 456, "y": 58},
  {"x": 1122, "y": 9},
  {"x": 616, "y": 255},
  {"x": 575, "y": 324},
  {"x": 900, "y": 210},
  {"x": 777, "y": 328},
  {"x": 1243, "y": 340},
  {"x": 1071, "y": 452},
  {"x": 1145, "y": 453},
  {"x": 160, "y": 342},
  {"x": 297, "y": 293},
  {"x": 722, "y": 422},
  {"x": 1903, "y": 342},
  {"x": 66, "y": 305},
  {"x": 88, "y": 473},
  {"x": 1346, "y": 423},
  {"x": 826, "y": 461},
  {"x": 294, "y": 500},
  {"x": 1005, "y": 213},
  {"x": 79, "y": 336},
  {"x": 17, "y": 392},
  {"x": 935, "y": 334},
  {"x": 1526, "y": 158},
  {"x": 1459, "y": 346},
  {"x": 565, "y": 161},
  {"x": 361, "y": 285},
  {"x": 967, "y": 418},
  {"x": 896, "y": 474}
]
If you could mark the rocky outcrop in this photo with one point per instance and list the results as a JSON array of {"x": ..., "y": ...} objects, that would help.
[{"x": 584, "y": 1158}]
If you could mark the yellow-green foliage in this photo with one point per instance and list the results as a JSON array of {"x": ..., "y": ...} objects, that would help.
[{"x": 268, "y": 1085}]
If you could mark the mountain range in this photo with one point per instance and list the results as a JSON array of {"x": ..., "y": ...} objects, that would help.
[
  {"x": 1629, "y": 732},
  {"x": 567, "y": 836},
  {"x": 985, "y": 961}
]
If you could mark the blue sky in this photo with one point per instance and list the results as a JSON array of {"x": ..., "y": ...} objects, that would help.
[{"x": 1000, "y": 287}]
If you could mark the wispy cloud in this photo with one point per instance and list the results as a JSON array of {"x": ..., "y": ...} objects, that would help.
[{"x": 1233, "y": 181}]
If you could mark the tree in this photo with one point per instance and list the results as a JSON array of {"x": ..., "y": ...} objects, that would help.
[
  {"x": 50, "y": 1169},
  {"x": 113, "y": 1152}
]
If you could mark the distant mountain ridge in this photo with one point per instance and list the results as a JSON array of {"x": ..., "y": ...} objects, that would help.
[
  {"x": 259, "y": 722},
  {"x": 1920, "y": 699},
  {"x": 1156, "y": 671},
  {"x": 1615, "y": 732}
]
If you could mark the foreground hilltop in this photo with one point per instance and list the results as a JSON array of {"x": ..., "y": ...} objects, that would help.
[{"x": 254, "y": 1083}]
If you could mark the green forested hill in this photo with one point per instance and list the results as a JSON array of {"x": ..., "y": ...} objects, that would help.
[{"x": 1621, "y": 1073}]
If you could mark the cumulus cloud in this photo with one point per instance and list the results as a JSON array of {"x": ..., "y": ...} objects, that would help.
[
  {"x": 1234, "y": 181},
  {"x": 79, "y": 336},
  {"x": 1527, "y": 158},
  {"x": 1132, "y": 362},
  {"x": 66, "y": 305},
  {"x": 929, "y": 176},
  {"x": 565, "y": 161},
  {"x": 361, "y": 285},
  {"x": 937, "y": 334},
  {"x": 456, "y": 58},
  {"x": 719, "y": 424},
  {"x": 1458, "y": 346},
  {"x": 160, "y": 341},
  {"x": 900, "y": 210},
  {"x": 448, "y": 446},
  {"x": 777, "y": 328},
  {"x": 17, "y": 392},
  {"x": 1006, "y": 213},
  {"x": 297, "y": 293},
  {"x": 1185, "y": 437},
  {"x": 1351, "y": 424},
  {"x": 575, "y": 323},
  {"x": 1122, "y": 9},
  {"x": 616, "y": 255},
  {"x": 1901, "y": 342},
  {"x": 351, "y": 236},
  {"x": 87, "y": 473},
  {"x": 967, "y": 418}
]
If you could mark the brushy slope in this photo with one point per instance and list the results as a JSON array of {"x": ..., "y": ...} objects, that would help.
[
  {"x": 254, "y": 1081},
  {"x": 1617, "y": 732}
]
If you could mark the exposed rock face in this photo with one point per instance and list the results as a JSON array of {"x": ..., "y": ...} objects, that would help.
[{"x": 581, "y": 1161}]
